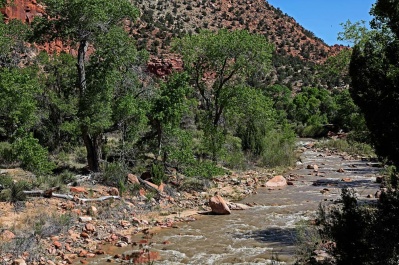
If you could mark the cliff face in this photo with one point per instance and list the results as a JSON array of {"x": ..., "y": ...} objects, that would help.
[{"x": 24, "y": 10}]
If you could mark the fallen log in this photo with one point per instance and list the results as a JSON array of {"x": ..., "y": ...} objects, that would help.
[
  {"x": 44, "y": 193},
  {"x": 75, "y": 198}
]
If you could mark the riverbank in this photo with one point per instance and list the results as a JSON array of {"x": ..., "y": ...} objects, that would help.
[
  {"x": 62, "y": 231},
  {"x": 59, "y": 231}
]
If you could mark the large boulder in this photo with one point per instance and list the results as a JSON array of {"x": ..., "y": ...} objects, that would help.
[
  {"x": 218, "y": 205},
  {"x": 277, "y": 181}
]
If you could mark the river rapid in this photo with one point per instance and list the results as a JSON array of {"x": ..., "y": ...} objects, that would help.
[{"x": 266, "y": 232}]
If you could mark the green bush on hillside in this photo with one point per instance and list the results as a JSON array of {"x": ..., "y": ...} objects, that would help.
[{"x": 32, "y": 155}]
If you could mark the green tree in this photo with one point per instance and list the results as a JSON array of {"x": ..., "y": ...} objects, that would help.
[
  {"x": 313, "y": 106},
  {"x": 218, "y": 63},
  {"x": 368, "y": 233},
  {"x": 374, "y": 71},
  {"x": 336, "y": 69},
  {"x": 169, "y": 107},
  {"x": 348, "y": 115},
  {"x": 19, "y": 89},
  {"x": 59, "y": 101},
  {"x": 12, "y": 37},
  {"x": 281, "y": 97},
  {"x": 250, "y": 116},
  {"x": 94, "y": 23}
]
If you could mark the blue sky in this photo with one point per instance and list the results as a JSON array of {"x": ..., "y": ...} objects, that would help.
[{"x": 323, "y": 17}]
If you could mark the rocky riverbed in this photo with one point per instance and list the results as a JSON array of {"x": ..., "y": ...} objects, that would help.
[{"x": 151, "y": 226}]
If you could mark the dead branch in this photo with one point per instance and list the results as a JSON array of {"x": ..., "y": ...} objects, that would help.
[
  {"x": 145, "y": 183},
  {"x": 44, "y": 193}
]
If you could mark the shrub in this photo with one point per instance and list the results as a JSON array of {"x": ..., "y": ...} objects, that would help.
[
  {"x": 278, "y": 148},
  {"x": 306, "y": 238},
  {"x": 232, "y": 154},
  {"x": 348, "y": 146},
  {"x": 13, "y": 191},
  {"x": 204, "y": 169},
  {"x": 6, "y": 156},
  {"x": 157, "y": 173},
  {"x": 364, "y": 233},
  {"x": 115, "y": 175},
  {"x": 312, "y": 130},
  {"x": 47, "y": 225},
  {"x": 32, "y": 155}
]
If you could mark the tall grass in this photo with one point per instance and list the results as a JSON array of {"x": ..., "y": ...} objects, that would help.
[{"x": 350, "y": 147}]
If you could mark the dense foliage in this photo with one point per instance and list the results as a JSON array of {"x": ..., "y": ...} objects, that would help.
[
  {"x": 101, "y": 108},
  {"x": 374, "y": 71},
  {"x": 367, "y": 233}
]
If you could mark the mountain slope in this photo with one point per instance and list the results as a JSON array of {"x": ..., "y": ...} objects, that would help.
[
  {"x": 297, "y": 55},
  {"x": 298, "y": 52},
  {"x": 162, "y": 20}
]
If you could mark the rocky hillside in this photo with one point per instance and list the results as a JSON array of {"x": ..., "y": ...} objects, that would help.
[
  {"x": 163, "y": 20},
  {"x": 297, "y": 54}
]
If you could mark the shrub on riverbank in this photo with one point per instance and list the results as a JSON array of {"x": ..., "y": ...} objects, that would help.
[
  {"x": 363, "y": 233},
  {"x": 350, "y": 147}
]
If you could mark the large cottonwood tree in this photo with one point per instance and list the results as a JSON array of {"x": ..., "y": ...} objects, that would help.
[
  {"x": 104, "y": 77},
  {"x": 218, "y": 63}
]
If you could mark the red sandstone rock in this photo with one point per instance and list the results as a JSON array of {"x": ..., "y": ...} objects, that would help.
[
  {"x": 277, "y": 181},
  {"x": 82, "y": 253},
  {"x": 7, "y": 236},
  {"x": 84, "y": 235},
  {"x": 23, "y": 10},
  {"x": 92, "y": 210},
  {"x": 133, "y": 179},
  {"x": 19, "y": 262},
  {"x": 113, "y": 191},
  {"x": 314, "y": 167},
  {"x": 90, "y": 227},
  {"x": 57, "y": 244},
  {"x": 218, "y": 205},
  {"x": 78, "y": 190},
  {"x": 166, "y": 66},
  {"x": 142, "y": 257}
]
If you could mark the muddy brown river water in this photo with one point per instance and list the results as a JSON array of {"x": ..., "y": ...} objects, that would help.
[{"x": 267, "y": 231}]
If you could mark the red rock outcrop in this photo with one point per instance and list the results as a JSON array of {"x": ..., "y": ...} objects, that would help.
[
  {"x": 24, "y": 10},
  {"x": 165, "y": 66}
]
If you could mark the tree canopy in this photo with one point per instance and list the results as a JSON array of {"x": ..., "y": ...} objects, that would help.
[
  {"x": 218, "y": 63},
  {"x": 374, "y": 70},
  {"x": 106, "y": 79}
]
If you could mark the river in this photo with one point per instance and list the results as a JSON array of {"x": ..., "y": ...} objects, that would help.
[{"x": 266, "y": 232}]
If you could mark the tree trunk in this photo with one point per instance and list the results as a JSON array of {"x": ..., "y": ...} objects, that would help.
[
  {"x": 92, "y": 144},
  {"x": 91, "y": 141},
  {"x": 81, "y": 67}
]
